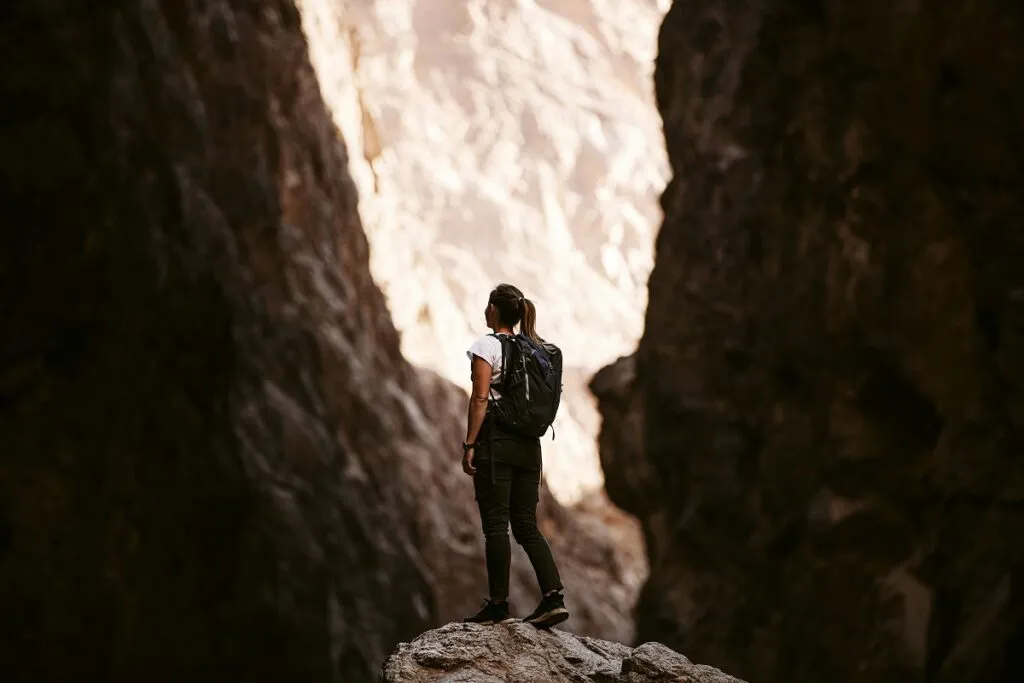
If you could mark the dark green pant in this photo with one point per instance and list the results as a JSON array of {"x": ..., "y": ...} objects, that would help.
[{"x": 511, "y": 497}]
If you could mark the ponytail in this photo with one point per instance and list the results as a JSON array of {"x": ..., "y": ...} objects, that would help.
[
  {"x": 514, "y": 308},
  {"x": 528, "y": 324}
]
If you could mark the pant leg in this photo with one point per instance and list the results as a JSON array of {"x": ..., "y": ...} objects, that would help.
[
  {"x": 524, "y": 494},
  {"x": 492, "y": 497}
]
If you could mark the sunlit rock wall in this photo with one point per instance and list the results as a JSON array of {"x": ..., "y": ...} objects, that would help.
[{"x": 504, "y": 141}]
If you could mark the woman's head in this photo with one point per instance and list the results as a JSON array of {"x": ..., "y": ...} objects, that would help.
[{"x": 507, "y": 307}]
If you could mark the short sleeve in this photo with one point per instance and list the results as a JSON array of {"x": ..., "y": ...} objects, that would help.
[{"x": 487, "y": 348}]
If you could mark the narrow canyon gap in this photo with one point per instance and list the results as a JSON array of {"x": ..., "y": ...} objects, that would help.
[
  {"x": 504, "y": 141},
  {"x": 821, "y": 429}
]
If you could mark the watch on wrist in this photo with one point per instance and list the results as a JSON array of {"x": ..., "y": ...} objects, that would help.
[{"x": 467, "y": 446}]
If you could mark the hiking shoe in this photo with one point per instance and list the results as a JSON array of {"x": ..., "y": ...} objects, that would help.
[
  {"x": 549, "y": 612},
  {"x": 491, "y": 613}
]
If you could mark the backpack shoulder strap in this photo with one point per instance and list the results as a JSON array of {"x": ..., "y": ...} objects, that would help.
[
  {"x": 502, "y": 343},
  {"x": 504, "y": 340}
]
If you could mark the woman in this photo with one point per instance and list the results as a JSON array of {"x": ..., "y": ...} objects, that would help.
[{"x": 509, "y": 492}]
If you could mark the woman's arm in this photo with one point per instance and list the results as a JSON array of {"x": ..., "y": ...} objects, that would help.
[{"x": 481, "y": 373}]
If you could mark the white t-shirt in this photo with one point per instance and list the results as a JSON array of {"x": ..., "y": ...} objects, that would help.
[{"x": 489, "y": 348}]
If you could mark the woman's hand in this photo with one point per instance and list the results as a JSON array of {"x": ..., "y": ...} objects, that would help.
[{"x": 467, "y": 463}]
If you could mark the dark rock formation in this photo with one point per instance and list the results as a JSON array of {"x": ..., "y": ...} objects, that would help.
[
  {"x": 202, "y": 390},
  {"x": 830, "y": 388},
  {"x": 519, "y": 653},
  {"x": 215, "y": 464}
]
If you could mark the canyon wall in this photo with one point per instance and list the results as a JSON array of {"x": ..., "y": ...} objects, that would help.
[
  {"x": 821, "y": 429},
  {"x": 216, "y": 464},
  {"x": 504, "y": 141}
]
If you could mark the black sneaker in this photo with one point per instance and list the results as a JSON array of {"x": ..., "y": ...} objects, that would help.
[
  {"x": 549, "y": 612},
  {"x": 492, "y": 613}
]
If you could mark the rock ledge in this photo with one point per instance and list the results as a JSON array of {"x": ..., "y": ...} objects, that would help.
[{"x": 519, "y": 653}]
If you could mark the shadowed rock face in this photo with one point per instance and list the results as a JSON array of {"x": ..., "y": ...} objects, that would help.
[
  {"x": 201, "y": 388},
  {"x": 829, "y": 394},
  {"x": 215, "y": 459},
  {"x": 519, "y": 653}
]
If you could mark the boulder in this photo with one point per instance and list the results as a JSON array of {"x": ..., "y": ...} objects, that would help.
[{"x": 520, "y": 653}]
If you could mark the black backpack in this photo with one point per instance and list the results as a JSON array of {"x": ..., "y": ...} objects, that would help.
[{"x": 530, "y": 385}]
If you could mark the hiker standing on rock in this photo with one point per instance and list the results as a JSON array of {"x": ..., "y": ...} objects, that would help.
[{"x": 517, "y": 384}]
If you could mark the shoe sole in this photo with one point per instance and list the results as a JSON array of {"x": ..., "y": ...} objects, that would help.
[{"x": 550, "y": 618}]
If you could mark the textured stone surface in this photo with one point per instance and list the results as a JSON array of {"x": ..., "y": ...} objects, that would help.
[
  {"x": 519, "y": 653},
  {"x": 829, "y": 387},
  {"x": 215, "y": 463},
  {"x": 202, "y": 390},
  {"x": 503, "y": 140}
]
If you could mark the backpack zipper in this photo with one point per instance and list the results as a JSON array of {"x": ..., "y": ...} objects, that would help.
[{"x": 527, "y": 376}]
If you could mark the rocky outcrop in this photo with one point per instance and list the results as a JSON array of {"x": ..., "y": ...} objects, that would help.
[
  {"x": 519, "y": 653},
  {"x": 829, "y": 386},
  {"x": 216, "y": 464}
]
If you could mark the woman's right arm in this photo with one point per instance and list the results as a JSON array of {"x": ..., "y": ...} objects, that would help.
[{"x": 481, "y": 372}]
